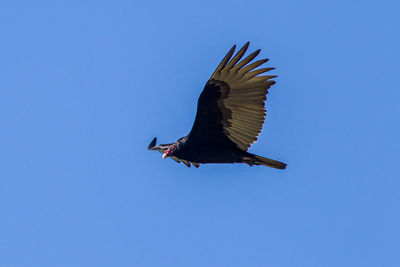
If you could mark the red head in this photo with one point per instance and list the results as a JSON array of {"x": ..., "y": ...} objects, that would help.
[{"x": 170, "y": 151}]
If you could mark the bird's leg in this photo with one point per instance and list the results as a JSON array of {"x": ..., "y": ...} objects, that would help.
[{"x": 248, "y": 161}]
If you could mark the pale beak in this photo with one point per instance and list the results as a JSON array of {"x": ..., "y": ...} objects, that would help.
[{"x": 164, "y": 156}]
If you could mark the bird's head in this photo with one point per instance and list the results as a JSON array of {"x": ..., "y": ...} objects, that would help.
[{"x": 170, "y": 151}]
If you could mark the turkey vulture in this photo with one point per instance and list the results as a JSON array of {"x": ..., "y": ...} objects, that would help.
[{"x": 230, "y": 115}]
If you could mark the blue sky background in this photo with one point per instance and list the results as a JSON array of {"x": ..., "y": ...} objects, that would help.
[{"x": 86, "y": 85}]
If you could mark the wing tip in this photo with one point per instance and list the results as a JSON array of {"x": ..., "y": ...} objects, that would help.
[{"x": 152, "y": 143}]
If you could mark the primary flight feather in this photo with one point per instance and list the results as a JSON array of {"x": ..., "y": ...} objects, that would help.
[{"x": 230, "y": 115}]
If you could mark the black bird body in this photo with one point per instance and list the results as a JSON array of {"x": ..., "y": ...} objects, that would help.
[
  {"x": 230, "y": 115},
  {"x": 209, "y": 152}
]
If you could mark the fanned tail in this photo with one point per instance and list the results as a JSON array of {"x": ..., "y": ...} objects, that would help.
[{"x": 258, "y": 160}]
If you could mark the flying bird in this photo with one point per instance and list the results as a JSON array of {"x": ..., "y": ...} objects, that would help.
[{"x": 230, "y": 115}]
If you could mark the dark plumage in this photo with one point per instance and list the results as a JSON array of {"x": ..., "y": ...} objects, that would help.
[{"x": 230, "y": 115}]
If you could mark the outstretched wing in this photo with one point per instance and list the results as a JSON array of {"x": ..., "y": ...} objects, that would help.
[{"x": 232, "y": 103}]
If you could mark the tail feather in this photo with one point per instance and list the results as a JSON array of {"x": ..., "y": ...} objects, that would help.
[{"x": 258, "y": 160}]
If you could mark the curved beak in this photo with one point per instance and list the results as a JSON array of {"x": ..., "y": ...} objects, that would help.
[{"x": 164, "y": 156}]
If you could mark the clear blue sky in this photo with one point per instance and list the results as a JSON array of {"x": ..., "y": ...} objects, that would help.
[{"x": 86, "y": 85}]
